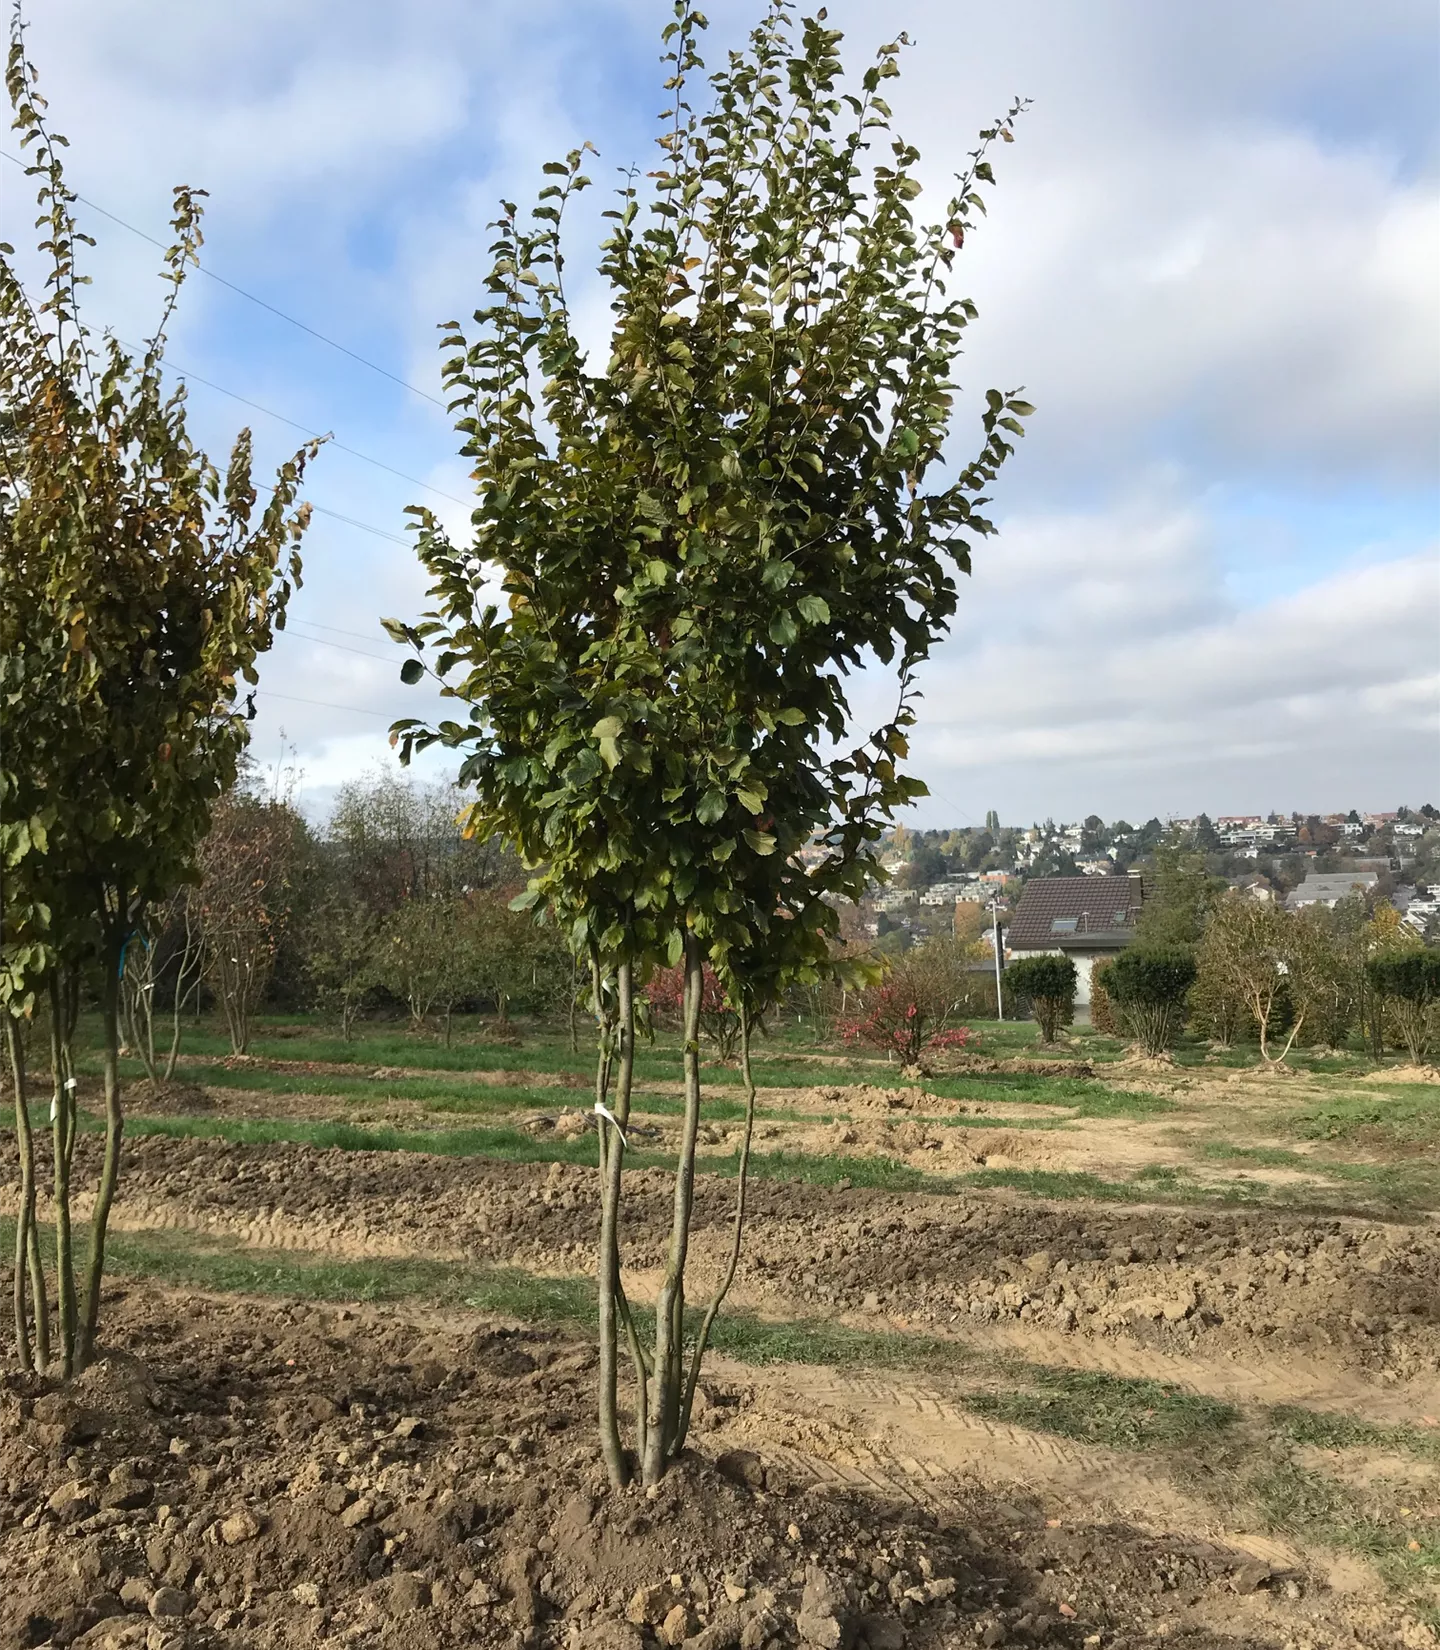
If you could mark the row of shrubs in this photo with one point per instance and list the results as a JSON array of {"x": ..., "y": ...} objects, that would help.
[{"x": 1147, "y": 993}]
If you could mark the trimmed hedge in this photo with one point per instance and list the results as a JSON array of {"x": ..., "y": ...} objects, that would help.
[
  {"x": 1047, "y": 983},
  {"x": 1150, "y": 984}
]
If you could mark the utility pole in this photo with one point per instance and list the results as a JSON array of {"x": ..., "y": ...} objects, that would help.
[{"x": 995, "y": 940}]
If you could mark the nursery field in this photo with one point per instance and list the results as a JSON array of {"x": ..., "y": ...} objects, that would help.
[{"x": 1052, "y": 1345}]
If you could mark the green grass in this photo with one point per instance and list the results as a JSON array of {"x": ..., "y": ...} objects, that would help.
[
  {"x": 1106, "y": 1409},
  {"x": 1329, "y": 1431},
  {"x": 1407, "y": 1115},
  {"x": 1078, "y": 1094},
  {"x": 1299, "y": 1501}
]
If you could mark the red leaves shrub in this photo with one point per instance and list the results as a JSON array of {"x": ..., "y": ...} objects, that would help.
[
  {"x": 718, "y": 1021},
  {"x": 907, "y": 1013}
]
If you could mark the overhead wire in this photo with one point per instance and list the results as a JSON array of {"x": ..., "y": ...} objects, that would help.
[{"x": 240, "y": 290}]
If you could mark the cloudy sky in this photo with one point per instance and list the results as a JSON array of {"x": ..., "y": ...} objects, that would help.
[{"x": 1213, "y": 260}]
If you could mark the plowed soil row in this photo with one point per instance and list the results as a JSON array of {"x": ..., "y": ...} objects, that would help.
[{"x": 1327, "y": 1296}]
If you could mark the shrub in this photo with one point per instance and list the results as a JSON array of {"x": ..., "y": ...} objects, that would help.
[
  {"x": 1104, "y": 1015},
  {"x": 909, "y": 1011},
  {"x": 1409, "y": 984},
  {"x": 1048, "y": 985},
  {"x": 1149, "y": 983}
]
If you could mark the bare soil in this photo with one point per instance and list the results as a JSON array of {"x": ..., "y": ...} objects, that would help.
[
  {"x": 236, "y": 1474},
  {"x": 1329, "y": 1293}
]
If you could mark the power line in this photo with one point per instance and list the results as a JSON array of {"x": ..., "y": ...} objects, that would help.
[
  {"x": 359, "y": 635},
  {"x": 321, "y": 641},
  {"x": 320, "y": 704},
  {"x": 344, "y": 349},
  {"x": 270, "y": 412}
]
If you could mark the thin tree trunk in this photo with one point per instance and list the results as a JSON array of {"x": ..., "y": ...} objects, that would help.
[
  {"x": 574, "y": 1004},
  {"x": 612, "y": 1162},
  {"x": 702, "y": 1340},
  {"x": 62, "y": 1115},
  {"x": 30, "y": 1355},
  {"x": 665, "y": 1392},
  {"x": 109, "y": 1174}
]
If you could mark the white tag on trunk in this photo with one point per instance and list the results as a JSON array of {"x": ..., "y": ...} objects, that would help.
[{"x": 602, "y": 1110}]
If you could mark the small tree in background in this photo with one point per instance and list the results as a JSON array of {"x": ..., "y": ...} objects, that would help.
[
  {"x": 1150, "y": 983},
  {"x": 246, "y": 887},
  {"x": 719, "y": 1022},
  {"x": 1104, "y": 1015},
  {"x": 909, "y": 1011},
  {"x": 1048, "y": 985},
  {"x": 343, "y": 936},
  {"x": 1409, "y": 986}
]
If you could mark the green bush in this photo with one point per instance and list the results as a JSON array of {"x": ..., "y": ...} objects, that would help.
[
  {"x": 1048, "y": 984},
  {"x": 1409, "y": 984},
  {"x": 1149, "y": 983}
]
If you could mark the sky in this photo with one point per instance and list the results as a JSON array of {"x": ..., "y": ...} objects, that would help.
[{"x": 1212, "y": 261}]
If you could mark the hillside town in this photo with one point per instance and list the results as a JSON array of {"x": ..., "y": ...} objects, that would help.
[{"x": 978, "y": 881}]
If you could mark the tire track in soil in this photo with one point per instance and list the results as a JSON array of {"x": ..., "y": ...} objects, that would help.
[{"x": 907, "y": 1441}]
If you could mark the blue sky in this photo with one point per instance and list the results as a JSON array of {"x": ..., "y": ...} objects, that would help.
[{"x": 1213, "y": 259}]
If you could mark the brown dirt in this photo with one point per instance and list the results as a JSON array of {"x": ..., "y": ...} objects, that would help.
[
  {"x": 1332, "y": 1293},
  {"x": 240, "y": 1475}
]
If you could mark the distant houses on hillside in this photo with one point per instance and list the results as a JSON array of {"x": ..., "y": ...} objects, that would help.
[{"x": 1088, "y": 919}]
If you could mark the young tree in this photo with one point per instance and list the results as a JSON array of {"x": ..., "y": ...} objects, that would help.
[
  {"x": 245, "y": 893},
  {"x": 1149, "y": 982},
  {"x": 1409, "y": 984},
  {"x": 139, "y": 585},
  {"x": 1048, "y": 985},
  {"x": 694, "y": 545},
  {"x": 342, "y": 943}
]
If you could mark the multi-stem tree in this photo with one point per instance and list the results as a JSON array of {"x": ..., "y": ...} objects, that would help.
[
  {"x": 246, "y": 886},
  {"x": 139, "y": 584},
  {"x": 695, "y": 543}
]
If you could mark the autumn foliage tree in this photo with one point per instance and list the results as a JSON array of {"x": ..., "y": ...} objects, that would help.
[
  {"x": 140, "y": 585},
  {"x": 910, "y": 1010},
  {"x": 679, "y": 553}
]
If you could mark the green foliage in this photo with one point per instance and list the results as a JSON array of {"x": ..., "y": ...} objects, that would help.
[
  {"x": 697, "y": 542},
  {"x": 1409, "y": 983},
  {"x": 1179, "y": 897},
  {"x": 140, "y": 587},
  {"x": 1048, "y": 985},
  {"x": 1149, "y": 983}
]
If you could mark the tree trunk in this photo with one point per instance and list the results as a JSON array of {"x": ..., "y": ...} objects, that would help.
[
  {"x": 702, "y": 1340},
  {"x": 666, "y": 1391},
  {"x": 612, "y": 1162},
  {"x": 31, "y": 1354},
  {"x": 114, "y": 1127},
  {"x": 62, "y": 1134}
]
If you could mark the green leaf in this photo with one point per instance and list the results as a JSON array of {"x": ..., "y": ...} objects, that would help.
[
  {"x": 814, "y": 608},
  {"x": 761, "y": 842},
  {"x": 608, "y": 727},
  {"x": 609, "y": 753},
  {"x": 775, "y": 575},
  {"x": 783, "y": 629},
  {"x": 411, "y": 672},
  {"x": 711, "y": 807},
  {"x": 749, "y": 801},
  {"x": 791, "y": 717}
]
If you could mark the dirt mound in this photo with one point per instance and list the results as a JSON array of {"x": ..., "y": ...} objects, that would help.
[
  {"x": 330, "y": 1478},
  {"x": 858, "y": 1097},
  {"x": 1403, "y": 1074},
  {"x": 162, "y": 1098}
]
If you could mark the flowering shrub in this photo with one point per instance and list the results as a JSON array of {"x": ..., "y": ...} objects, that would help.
[{"x": 907, "y": 1013}]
